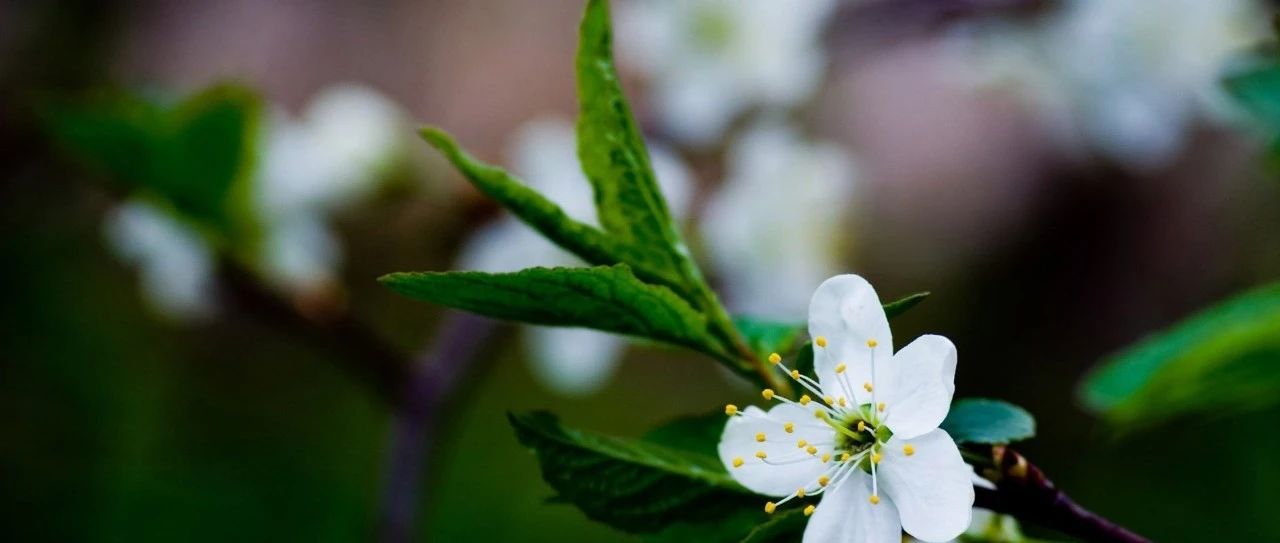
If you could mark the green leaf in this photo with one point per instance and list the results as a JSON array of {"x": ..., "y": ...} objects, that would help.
[
  {"x": 606, "y": 298},
  {"x": 195, "y": 157},
  {"x": 1223, "y": 359},
  {"x": 765, "y": 336},
  {"x": 1258, "y": 91},
  {"x": 587, "y": 242},
  {"x": 989, "y": 422},
  {"x": 632, "y": 485},
  {"x": 613, "y": 155},
  {"x": 900, "y": 306},
  {"x": 783, "y": 527},
  {"x": 697, "y": 434}
]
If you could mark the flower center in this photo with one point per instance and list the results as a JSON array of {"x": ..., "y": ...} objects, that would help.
[{"x": 857, "y": 431}]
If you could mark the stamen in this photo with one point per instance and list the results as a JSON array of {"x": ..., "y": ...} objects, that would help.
[
  {"x": 880, "y": 407},
  {"x": 876, "y": 458},
  {"x": 812, "y": 450},
  {"x": 826, "y": 457},
  {"x": 867, "y": 386},
  {"x": 789, "y": 427},
  {"x": 841, "y": 367},
  {"x": 862, "y": 426},
  {"x": 767, "y": 393},
  {"x": 872, "y": 343},
  {"x": 770, "y": 507},
  {"x": 795, "y": 374},
  {"x": 774, "y": 358},
  {"x": 738, "y": 462},
  {"x": 800, "y": 492},
  {"x": 830, "y": 401},
  {"x": 908, "y": 449},
  {"x": 808, "y": 511},
  {"x": 823, "y": 480},
  {"x": 760, "y": 437},
  {"x": 731, "y": 410},
  {"x": 875, "y": 500},
  {"x": 820, "y": 341},
  {"x": 804, "y": 400},
  {"x": 844, "y": 457},
  {"x": 801, "y": 444},
  {"x": 843, "y": 403},
  {"x": 761, "y": 455}
]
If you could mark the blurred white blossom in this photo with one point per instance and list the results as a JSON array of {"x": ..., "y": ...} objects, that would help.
[
  {"x": 544, "y": 155},
  {"x": 1129, "y": 78},
  {"x": 175, "y": 263},
  {"x": 315, "y": 165},
  {"x": 709, "y": 60},
  {"x": 308, "y": 168},
  {"x": 778, "y": 226}
]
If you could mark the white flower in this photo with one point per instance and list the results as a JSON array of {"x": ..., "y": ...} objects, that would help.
[
  {"x": 175, "y": 263},
  {"x": 311, "y": 167},
  {"x": 544, "y": 155},
  {"x": 869, "y": 444},
  {"x": 709, "y": 60},
  {"x": 791, "y": 255},
  {"x": 1131, "y": 77}
]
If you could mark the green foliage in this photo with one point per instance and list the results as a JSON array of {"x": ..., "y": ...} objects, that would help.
[
  {"x": 1223, "y": 359},
  {"x": 988, "y": 422},
  {"x": 902, "y": 305},
  {"x": 632, "y": 485},
  {"x": 606, "y": 298},
  {"x": 783, "y": 527},
  {"x": 766, "y": 336},
  {"x": 698, "y": 434},
  {"x": 195, "y": 157},
  {"x": 613, "y": 155},
  {"x": 1257, "y": 90}
]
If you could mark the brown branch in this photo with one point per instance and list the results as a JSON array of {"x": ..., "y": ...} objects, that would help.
[{"x": 1023, "y": 491}]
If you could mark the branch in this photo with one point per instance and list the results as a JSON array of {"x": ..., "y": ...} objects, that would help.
[
  {"x": 1022, "y": 490},
  {"x": 436, "y": 376},
  {"x": 360, "y": 352}
]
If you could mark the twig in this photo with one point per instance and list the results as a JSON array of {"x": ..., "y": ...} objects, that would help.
[
  {"x": 1022, "y": 490},
  {"x": 435, "y": 378},
  {"x": 361, "y": 353}
]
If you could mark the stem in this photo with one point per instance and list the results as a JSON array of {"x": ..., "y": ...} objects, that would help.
[
  {"x": 435, "y": 378},
  {"x": 1022, "y": 490}
]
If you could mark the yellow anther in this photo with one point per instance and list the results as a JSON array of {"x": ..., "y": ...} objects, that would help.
[
  {"x": 844, "y": 457},
  {"x": 804, "y": 400},
  {"x": 812, "y": 450},
  {"x": 823, "y": 480},
  {"x": 821, "y": 341},
  {"x": 800, "y": 492},
  {"x": 826, "y": 457},
  {"x": 795, "y": 374},
  {"x": 862, "y": 426},
  {"x": 867, "y": 386},
  {"x": 761, "y": 455},
  {"x": 760, "y": 437},
  {"x": 738, "y": 462},
  {"x": 872, "y": 343},
  {"x": 875, "y": 499},
  {"x": 876, "y": 458},
  {"x": 880, "y": 407},
  {"x": 801, "y": 444},
  {"x": 829, "y": 400},
  {"x": 774, "y": 358},
  {"x": 843, "y": 402},
  {"x": 767, "y": 393},
  {"x": 808, "y": 511},
  {"x": 789, "y": 427},
  {"x": 819, "y": 414},
  {"x": 770, "y": 507},
  {"x": 840, "y": 367},
  {"x": 731, "y": 410},
  {"x": 908, "y": 449}
]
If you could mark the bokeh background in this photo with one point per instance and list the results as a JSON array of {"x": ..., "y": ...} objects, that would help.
[{"x": 1065, "y": 177}]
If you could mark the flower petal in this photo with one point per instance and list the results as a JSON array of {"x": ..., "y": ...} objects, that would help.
[
  {"x": 932, "y": 487},
  {"x": 846, "y": 515},
  {"x": 924, "y": 379},
  {"x": 787, "y": 466},
  {"x": 846, "y": 312}
]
